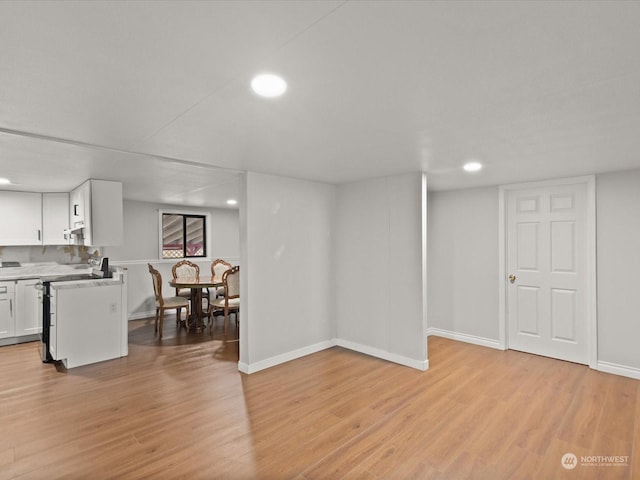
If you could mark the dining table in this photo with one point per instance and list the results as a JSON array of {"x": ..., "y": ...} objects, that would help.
[{"x": 196, "y": 284}]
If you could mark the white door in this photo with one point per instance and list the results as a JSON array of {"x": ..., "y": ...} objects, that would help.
[{"x": 547, "y": 261}]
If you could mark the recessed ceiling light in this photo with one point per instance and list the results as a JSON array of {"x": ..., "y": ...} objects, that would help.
[
  {"x": 268, "y": 85},
  {"x": 472, "y": 167},
  {"x": 5, "y": 181},
  {"x": 232, "y": 201}
]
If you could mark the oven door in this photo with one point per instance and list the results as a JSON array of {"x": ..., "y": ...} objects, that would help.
[{"x": 46, "y": 322}]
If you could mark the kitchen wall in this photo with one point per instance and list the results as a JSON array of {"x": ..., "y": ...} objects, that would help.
[
  {"x": 288, "y": 280},
  {"x": 379, "y": 269},
  {"x": 463, "y": 267},
  {"x": 141, "y": 244},
  {"x": 46, "y": 253}
]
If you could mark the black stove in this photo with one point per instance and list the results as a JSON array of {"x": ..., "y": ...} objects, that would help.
[{"x": 70, "y": 277}]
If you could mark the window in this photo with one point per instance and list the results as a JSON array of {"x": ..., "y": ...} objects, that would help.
[{"x": 183, "y": 235}]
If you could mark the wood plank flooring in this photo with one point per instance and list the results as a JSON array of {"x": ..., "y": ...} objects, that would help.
[{"x": 180, "y": 409}]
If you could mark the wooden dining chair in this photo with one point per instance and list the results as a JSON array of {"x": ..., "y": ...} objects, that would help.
[
  {"x": 231, "y": 300},
  {"x": 187, "y": 269},
  {"x": 168, "y": 303},
  {"x": 218, "y": 267}
]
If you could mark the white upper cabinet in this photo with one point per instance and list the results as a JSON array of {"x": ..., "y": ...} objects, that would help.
[
  {"x": 55, "y": 218},
  {"x": 94, "y": 209},
  {"x": 33, "y": 218},
  {"x": 97, "y": 205},
  {"x": 79, "y": 200},
  {"x": 21, "y": 217}
]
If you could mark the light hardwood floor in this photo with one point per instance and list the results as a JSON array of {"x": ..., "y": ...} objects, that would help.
[{"x": 180, "y": 409}]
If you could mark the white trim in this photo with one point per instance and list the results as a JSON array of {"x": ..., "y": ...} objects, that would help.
[
  {"x": 141, "y": 315},
  {"x": 616, "y": 369},
  {"x": 384, "y": 355},
  {"x": 549, "y": 183},
  {"x": 502, "y": 269},
  {"x": 425, "y": 309},
  {"x": 463, "y": 337},
  {"x": 592, "y": 266},
  {"x": 592, "y": 300},
  {"x": 284, "y": 357},
  {"x": 21, "y": 339},
  {"x": 232, "y": 260}
]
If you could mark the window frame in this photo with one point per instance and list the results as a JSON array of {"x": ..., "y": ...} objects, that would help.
[{"x": 185, "y": 214}]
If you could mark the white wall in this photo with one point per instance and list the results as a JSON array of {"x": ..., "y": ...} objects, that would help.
[
  {"x": 618, "y": 240},
  {"x": 140, "y": 246},
  {"x": 379, "y": 268},
  {"x": 463, "y": 266},
  {"x": 463, "y": 262},
  {"x": 287, "y": 274}
]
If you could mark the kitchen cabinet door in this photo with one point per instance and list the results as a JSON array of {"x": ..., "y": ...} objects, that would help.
[
  {"x": 55, "y": 218},
  {"x": 97, "y": 206},
  {"x": 7, "y": 309},
  {"x": 21, "y": 217},
  {"x": 77, "y": 199},
  {"x": 28, "y": 307}
]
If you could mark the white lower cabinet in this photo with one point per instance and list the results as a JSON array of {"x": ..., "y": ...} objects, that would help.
[
  {"x": 20, "y": 311},
  {"x": 87, "y": 323},
  {"x": 7, "y": 309},
  {"x": 28, "y": 307}
]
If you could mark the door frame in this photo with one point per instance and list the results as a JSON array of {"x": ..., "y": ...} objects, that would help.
[{"x": 591, "y": 293}]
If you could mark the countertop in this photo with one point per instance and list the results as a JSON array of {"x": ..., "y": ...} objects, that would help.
[{"x": 98, "y": 282}]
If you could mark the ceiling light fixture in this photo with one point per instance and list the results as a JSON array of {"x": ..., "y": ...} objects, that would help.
[
  {"x": 472, "y": 167},
  {"x": 5, "y": 181},
  {"x": 268, "y": 85},
  {"x": 232, "y": 201}
]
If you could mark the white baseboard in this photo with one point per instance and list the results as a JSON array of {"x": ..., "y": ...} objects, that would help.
[
  {"x": 601, "y": 366},
  {"x": 284, "y": 357},
  {"x": 139, "y": 315},
  {"x": 391, "y": 357},
  {"x": 616, "y": 369},
  {"x": 463, "y": 337},
  {"x": 301, "y": 352}
]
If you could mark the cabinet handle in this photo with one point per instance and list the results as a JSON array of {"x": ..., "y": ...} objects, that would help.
[
  {"x": 39, "y": 235},
  {"x": 11, "y": 307},
  {"x": 75, "y": 210}
]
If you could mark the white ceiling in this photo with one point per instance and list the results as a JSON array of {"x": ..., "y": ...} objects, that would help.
[{"x": 533, "y": 90}]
